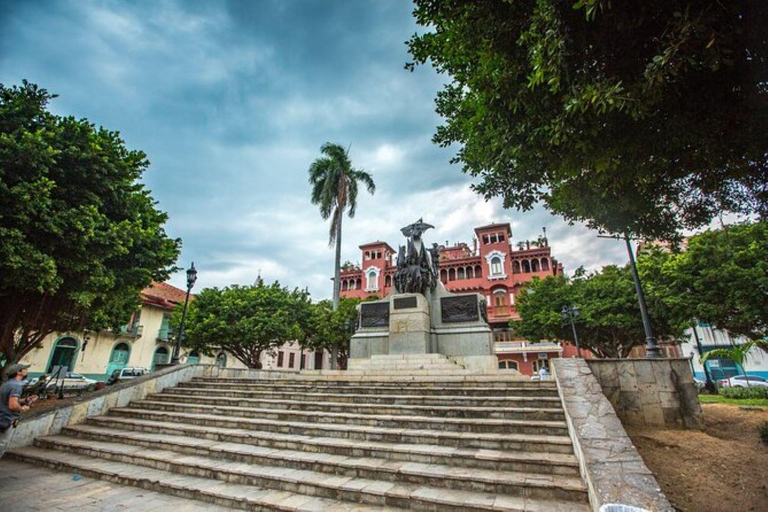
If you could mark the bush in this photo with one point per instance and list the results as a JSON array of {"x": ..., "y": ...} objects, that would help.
[
  {"x": 763, "y": 429},
  {"x": 744, "y": 393}
]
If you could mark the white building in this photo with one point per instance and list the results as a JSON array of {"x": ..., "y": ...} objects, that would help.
[{"x": 709, "y": 338}]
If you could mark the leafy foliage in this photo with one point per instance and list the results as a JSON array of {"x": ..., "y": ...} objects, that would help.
[
  {"x": 331, "y": 328},
  {"x": 723, "y": 276},
  {"x": 246, "y": 320},
  {"x": 736, "y": 353},
  {"x": 739, "y": 393},
  {"x": 639, "y": 117},
  {"x": 609, "y": 322},
  {"x": 81, "y": 236}
]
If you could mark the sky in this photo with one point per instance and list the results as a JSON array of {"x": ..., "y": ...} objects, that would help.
[{"x": 231, "y": 101}]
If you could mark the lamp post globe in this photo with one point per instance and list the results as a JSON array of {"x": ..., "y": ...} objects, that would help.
[{"x": 191, "y": 278}]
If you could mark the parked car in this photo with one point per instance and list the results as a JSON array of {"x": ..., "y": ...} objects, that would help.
[
  {"x": 69, "y": 381},
  {"x": 124, "y": 374},
  {"x": 740, "y": 381}
]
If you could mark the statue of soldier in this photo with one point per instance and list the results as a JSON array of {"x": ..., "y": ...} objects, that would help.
[{"x": 415, "y": 267}]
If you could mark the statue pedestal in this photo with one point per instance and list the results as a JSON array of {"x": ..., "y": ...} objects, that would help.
[{"x": 409, "y": 324}]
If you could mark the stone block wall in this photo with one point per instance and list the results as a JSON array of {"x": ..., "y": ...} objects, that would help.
[
  {"x": 650, "y": 392},
  {"x": 50, "y": 421}
]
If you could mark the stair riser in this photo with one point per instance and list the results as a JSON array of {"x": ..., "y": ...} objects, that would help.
[
  {"x": 446, "y": 440},
  {"x": 340, "y": 382},
  {"x": 319, "y": 490},
  {"x": 380, "y": 390},
  {"x": 178, "y": 491},
  {"x": 478, "y": 426},
  {"x": 427, "y": 401},
  {"x": 283, "y": 444},
  {"x": 522, "y": 414}
]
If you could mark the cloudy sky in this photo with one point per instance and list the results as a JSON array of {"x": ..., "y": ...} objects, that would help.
[{"x": 231, "y": 100}]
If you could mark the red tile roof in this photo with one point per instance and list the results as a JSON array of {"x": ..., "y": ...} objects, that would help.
[{"x": 163, "y": 295}]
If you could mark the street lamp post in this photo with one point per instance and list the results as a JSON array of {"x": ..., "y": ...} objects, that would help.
[
  {"x": 569, "y": 314},
  {"x": 652, "y": 349},
  {"x": 191, "y": 278}
]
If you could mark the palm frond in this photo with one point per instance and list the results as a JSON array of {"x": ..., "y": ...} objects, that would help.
[
  {"x": 360, "y": 175},
  {"x": 352, "y": 201}
]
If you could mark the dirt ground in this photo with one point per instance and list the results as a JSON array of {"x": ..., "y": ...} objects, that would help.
[{"x": 722, "y": 469}]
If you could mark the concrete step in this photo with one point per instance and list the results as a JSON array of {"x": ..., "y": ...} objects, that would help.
[
  {"x": 431, "y": 475},
  {"x": 320, "y": 484},
  {"x": 519, "y": 413},
  {"x": 128, "y": 430},
  {"x": 461, "y": 381},
  {"x": 509, "y": 440},
  {"x": 376, "y": 388},
  {"x": 518, "y": 400},
  {"x": 227, "y": 494},
  {"x": 474, "y": 425},
  {"x": 405, "y": 367}
]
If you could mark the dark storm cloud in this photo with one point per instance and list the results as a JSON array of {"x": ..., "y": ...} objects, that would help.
[{"x": 232, "y": 101}]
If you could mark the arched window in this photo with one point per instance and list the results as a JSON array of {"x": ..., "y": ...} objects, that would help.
[
  {"x": 358, "y": 283},
  {"x": 221, "y": 360},
  {"x": 539, "y": 364},
  {"x": 526, "y": 266},
  {"x": 460, "y": 273},
  {"x": 64, "y": 354},
  {"x": 161, "y": 356},
  {"x": 470, "y": 273},
  {"x": 344, "y": 285},
  {"x": 508, "y": 365},
  {"x": 193, "y": 357},
  {"x": 451, "y": 274},
  {"x": 444, "y": 276},
  {"x": 500, "y": 305},
  {"x": 371, "y": 280},
  {"x": 515, "y": 267},
  {"x": 534, "y": 265},
  {"x": 544, "y": 264},
  {"x": 118, "y": 358},
  {"x": 496, "y": 268},
  {"x": 478, "y": 271},
  {"x": 387, "y": 281}
]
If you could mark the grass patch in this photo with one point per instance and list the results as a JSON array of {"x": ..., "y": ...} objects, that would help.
[{"x": 719, "y": 399}]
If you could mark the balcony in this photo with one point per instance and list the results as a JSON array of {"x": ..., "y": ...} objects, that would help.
[
  {"x": 165, "y": 334},
  {"x": 131, "y": 330},
  {"x": 526, "y": 347}
]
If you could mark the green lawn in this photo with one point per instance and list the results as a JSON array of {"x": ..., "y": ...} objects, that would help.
[{"x": 717, "y": 399}]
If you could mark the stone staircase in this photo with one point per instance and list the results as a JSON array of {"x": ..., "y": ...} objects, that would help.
[{"x": 441, "y": 443}]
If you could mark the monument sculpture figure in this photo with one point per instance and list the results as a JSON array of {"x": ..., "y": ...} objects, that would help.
[{"x": 416, "y": 270}]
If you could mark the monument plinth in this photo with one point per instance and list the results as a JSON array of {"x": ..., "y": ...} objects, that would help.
[{"x": 422, "y": 317}]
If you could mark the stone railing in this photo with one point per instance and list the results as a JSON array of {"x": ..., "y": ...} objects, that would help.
[
  {"x": 615, "y": 474},
  {"x": 48, "y": 421}
]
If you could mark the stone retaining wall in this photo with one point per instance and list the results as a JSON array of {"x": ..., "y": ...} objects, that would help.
[
  {"x": 50, "y": 420},
  {"x": 650, "y": 392},
  {"x": 610, "y": 465}
]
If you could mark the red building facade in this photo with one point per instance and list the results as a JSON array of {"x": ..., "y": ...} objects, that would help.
[{"x": 493, "y": 266}]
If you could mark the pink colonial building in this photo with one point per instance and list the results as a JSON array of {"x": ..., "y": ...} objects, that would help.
[{"x": 493, "y": 267}]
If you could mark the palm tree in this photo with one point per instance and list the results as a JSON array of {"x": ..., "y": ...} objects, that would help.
[
  {"x": 736, "y": 353},
  {"x": 334, "y": 188}
]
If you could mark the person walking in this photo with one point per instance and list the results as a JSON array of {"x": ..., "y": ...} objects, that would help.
[{"x": 11, "y": 404}]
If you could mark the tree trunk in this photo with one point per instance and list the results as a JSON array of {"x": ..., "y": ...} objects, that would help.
[{"x": 336, "y": 287}]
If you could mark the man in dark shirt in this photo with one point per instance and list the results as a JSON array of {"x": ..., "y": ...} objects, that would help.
[{"x": 11, "y": 403}]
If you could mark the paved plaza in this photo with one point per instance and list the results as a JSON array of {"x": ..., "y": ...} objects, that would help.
[{"x": 27, "y": 488}]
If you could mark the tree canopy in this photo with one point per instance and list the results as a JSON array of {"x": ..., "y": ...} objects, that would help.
[
  {"x": 246, "y": 320},
  {"x": 331, "y": 328},
  {"x": 609, "y": 322},
  {"x": 81, "y": 236},
  {"x": 638, "y": 117},
  {"x": 719, "y": 277}
]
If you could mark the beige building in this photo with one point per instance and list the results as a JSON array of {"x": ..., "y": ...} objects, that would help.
[{"x": 145, "y": 342}]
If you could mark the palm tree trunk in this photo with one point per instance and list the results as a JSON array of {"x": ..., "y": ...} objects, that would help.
[{"x": 336, "y": 287}]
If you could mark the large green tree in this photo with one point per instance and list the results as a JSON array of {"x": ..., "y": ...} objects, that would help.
[
  {"x": 334, "y": 184},
  {"x": 246, "y": 320},
  {"x": 332, "y": 329},
  {"x": 720, "y": 277},
  {"x": 81, "y": 236},
  {"x": 638, "y": 117},
  {"x": 609, "y": 322}
]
